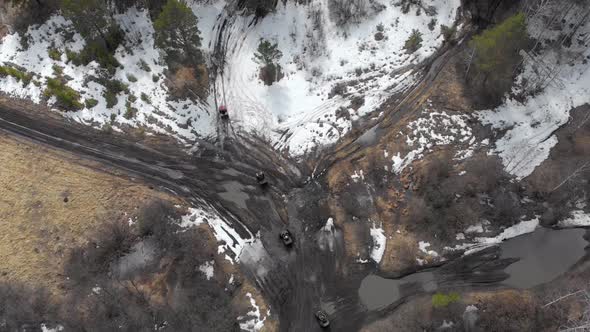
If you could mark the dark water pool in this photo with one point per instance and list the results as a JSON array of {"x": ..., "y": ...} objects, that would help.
[{"x": 543, "y": 255}]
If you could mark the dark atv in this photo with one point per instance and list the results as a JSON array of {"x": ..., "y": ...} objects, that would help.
[
  {"x": 322, "y": 318},
  {"x": 223, "y": 112},
  {"x": 286, "y": 238},
  {"x": 261, "y": 179}
]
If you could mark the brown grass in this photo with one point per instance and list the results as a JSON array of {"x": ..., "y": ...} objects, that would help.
[{"x": 37, "y": 226}]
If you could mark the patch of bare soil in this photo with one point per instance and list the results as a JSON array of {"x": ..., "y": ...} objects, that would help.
[{"x": 388, "y": 195}]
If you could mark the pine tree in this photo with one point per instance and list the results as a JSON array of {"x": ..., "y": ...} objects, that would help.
[
  {"x": 177, "y": 31},
  {"x": 414, "y": 42},
  {"x": 267, "y": 53},
  {"x": 496, "y": 55},
  {"x": 497, "y": 49},
  {"x": 89, "y": 18}
]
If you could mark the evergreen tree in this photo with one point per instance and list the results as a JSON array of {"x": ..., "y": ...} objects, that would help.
[
  {"x": 177, "y": 31},
  {"x": 89, "y": 18},
  {"x": 497, "y": 49},
  {"x": 414, "y": 42},
  {"x": 267, "y": 53}
]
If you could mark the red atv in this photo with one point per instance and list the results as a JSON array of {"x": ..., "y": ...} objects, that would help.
[{"x": 223, "y": 112}]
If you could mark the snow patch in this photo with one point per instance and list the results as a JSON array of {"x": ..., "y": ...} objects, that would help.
[
  {"x": 379, "y": 242},
  {"x": 58, "y": 328},
  {"x": 195, "y": 217},
  {"x": 579, "y": 219},
  {"x": 207, "y": 269},
  {"x": 230, "y": 240},
  {"x": 480, "y": 243},
  {"x": 252, "y": 321},
  {"x": 531, "y": 123},
  {"x": 432, "y": 130},
  {"x": 424, "y": 248}
]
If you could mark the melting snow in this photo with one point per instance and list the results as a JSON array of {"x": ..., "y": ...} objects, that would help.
[
  {"x": 379, "y": 242},
  {"x": 223, "y": 232},
  {"x": 58, "y": 328},
  {"x": 477, "y": 228},
  {"x": 435, "y": 129},
  {"x": 524, "y": 227},
  {"x": 297, "y": 113},
  {"x": 159, "y": 114},
  {"x": 530, "y": 124},
  {"x": 208, "y": 269},
  {"x": 358, "y": 175},
  {"x": 254, "y": 322},
  {"x": 195, "y": 217},
  {"x": 579, "y": 219},
  {"x": 423, "y": 247}
]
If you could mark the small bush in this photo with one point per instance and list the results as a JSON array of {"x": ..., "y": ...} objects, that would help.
[
  {"x": 111, "y": 98},
  {"x": 131, "y": 98},
  {"x": 98, "y": 51},
  {"x": 57, "y": 70},
  {"x": 145, "y": 98},
  {"x": 414, "y": 42},
  {"x": 90, "y": 103},
  {"x": 111, "y": 242},
  {"x": 18, "y": 74},
  {"x": 155, "y": 78},
  {"x": 432, "y": 24},
  {"x": 131, "y": 78},
  {"x": 112, "y": 89},
  {"x": 54, "y": 54},
  {"x": 68, "y": 98},
  {"x": 144, "y": 66},
  {"x": 73, "y": 57},
  {"x": 130, "y": 112},
  {"x": 441, "y": 300},
  {"x": 448, "y": 32},
  {"x": 156, "y": 218}
]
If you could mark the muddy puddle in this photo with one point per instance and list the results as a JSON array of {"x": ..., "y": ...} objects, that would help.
[
  {"x": 543, "y": 255},
  {"x": 369, "y": 137},
  {"x": 234, "y": 192},
  {"x": 377, "y": 292}
]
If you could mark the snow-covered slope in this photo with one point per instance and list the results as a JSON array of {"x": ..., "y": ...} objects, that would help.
[
  {"x": 296, "y": 113},
  {"x": 158, "y": 114},
  {"x": 563, "y": 78}
]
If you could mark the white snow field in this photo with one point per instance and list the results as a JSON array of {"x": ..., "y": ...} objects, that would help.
[
  {"x": 297, "y": 113},
  {"x": 564, "y": 83},
  {"x": 294, "y": 113}
]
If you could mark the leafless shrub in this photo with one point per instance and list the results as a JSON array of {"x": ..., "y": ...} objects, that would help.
[
  {"x": 23, "y": 308},
  {"x": 112, "y": 241},
  {"x": 155, "y": 218}
]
